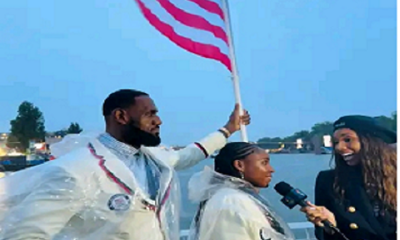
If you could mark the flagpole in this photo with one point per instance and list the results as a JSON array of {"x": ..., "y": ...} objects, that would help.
[{"x": 235, "y": 75}]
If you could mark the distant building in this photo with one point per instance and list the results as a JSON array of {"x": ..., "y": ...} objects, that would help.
[
  {"x": 327, "y": 141},
  {"x": 317, "y": 142},
  {"x": 3, "y": 136}
]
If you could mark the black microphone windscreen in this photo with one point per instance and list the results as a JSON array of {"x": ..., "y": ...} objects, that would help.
[{"x": 283, "y": 188}]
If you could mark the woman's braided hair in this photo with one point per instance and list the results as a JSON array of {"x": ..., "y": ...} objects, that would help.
[{"x": 223, "y": 162}]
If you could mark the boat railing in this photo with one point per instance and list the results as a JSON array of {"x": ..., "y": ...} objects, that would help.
[{"x": 305, "y": 231}]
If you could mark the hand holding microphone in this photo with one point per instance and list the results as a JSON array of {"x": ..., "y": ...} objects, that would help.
[{"x": 318, "y": 215}]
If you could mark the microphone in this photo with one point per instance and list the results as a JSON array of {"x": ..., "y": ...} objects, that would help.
[{"x": 293, "y": 197}]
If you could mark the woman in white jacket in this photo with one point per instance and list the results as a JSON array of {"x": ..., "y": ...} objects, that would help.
[{"x": 231, "y": 207}]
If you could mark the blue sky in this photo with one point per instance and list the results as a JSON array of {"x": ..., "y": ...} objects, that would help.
[{"x": 300, "y": 62}]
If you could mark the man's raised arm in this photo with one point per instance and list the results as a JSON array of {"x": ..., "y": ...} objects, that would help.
[{"x": 198, "y": 151}]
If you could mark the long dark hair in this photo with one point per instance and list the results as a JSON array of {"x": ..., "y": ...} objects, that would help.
[{"x": 378, "y": 163}]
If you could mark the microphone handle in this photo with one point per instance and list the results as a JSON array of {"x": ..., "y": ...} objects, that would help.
[{"x": 328, "y": 226}]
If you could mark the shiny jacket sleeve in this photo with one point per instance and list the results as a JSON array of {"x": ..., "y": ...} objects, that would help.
[
  {"x": 45, "y": 210},
  {"x": 193, "y": 153}
]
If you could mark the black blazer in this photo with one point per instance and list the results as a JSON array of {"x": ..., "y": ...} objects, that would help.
[{"x": 354, "y": 216}]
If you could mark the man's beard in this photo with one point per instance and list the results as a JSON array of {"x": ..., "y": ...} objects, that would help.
[{"x": 135, "y": 136}]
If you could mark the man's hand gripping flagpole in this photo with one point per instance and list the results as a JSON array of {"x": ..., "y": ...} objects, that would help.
[{"x": 235, "y": 76}]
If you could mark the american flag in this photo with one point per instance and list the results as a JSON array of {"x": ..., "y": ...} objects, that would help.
[{"x": 195, "y": 25}]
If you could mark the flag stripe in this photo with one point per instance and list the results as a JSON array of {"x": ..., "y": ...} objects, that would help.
[
  {"x": 197, "y": 35},
  {"x": 204, "y": 49},
  {"x": 196, "y": 19},
  {"x": 210, "y": 6},
  {"x": 195, "y": 9}
]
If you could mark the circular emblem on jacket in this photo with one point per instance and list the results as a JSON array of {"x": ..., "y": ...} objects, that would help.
[
  {"x": 264, "y": 234},
  {"x": 119, "y": 202}
]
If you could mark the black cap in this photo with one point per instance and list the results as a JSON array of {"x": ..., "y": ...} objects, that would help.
[{"x": 367, "y": 124}]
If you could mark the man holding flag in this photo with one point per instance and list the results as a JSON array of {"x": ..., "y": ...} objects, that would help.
[
  {"x": 118, "y": 185},
  {"x": 115, "y": 185}
]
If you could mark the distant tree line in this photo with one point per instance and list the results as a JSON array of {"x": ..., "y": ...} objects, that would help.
[
  {"x": 318, "y": 131},
  {"x": 29, "y": 126}
]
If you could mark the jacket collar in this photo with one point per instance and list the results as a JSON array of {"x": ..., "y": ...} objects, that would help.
[
  {"x": 166, "y": 175},
  {"x": 119, "y": 173},
  {"x": 114, "y": 168}
]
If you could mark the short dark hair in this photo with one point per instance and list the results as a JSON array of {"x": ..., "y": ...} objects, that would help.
[{"x": 123, "y": 99}]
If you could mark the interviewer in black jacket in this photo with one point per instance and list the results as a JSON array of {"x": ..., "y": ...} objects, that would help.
[{"x": 359, "y": 194}]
